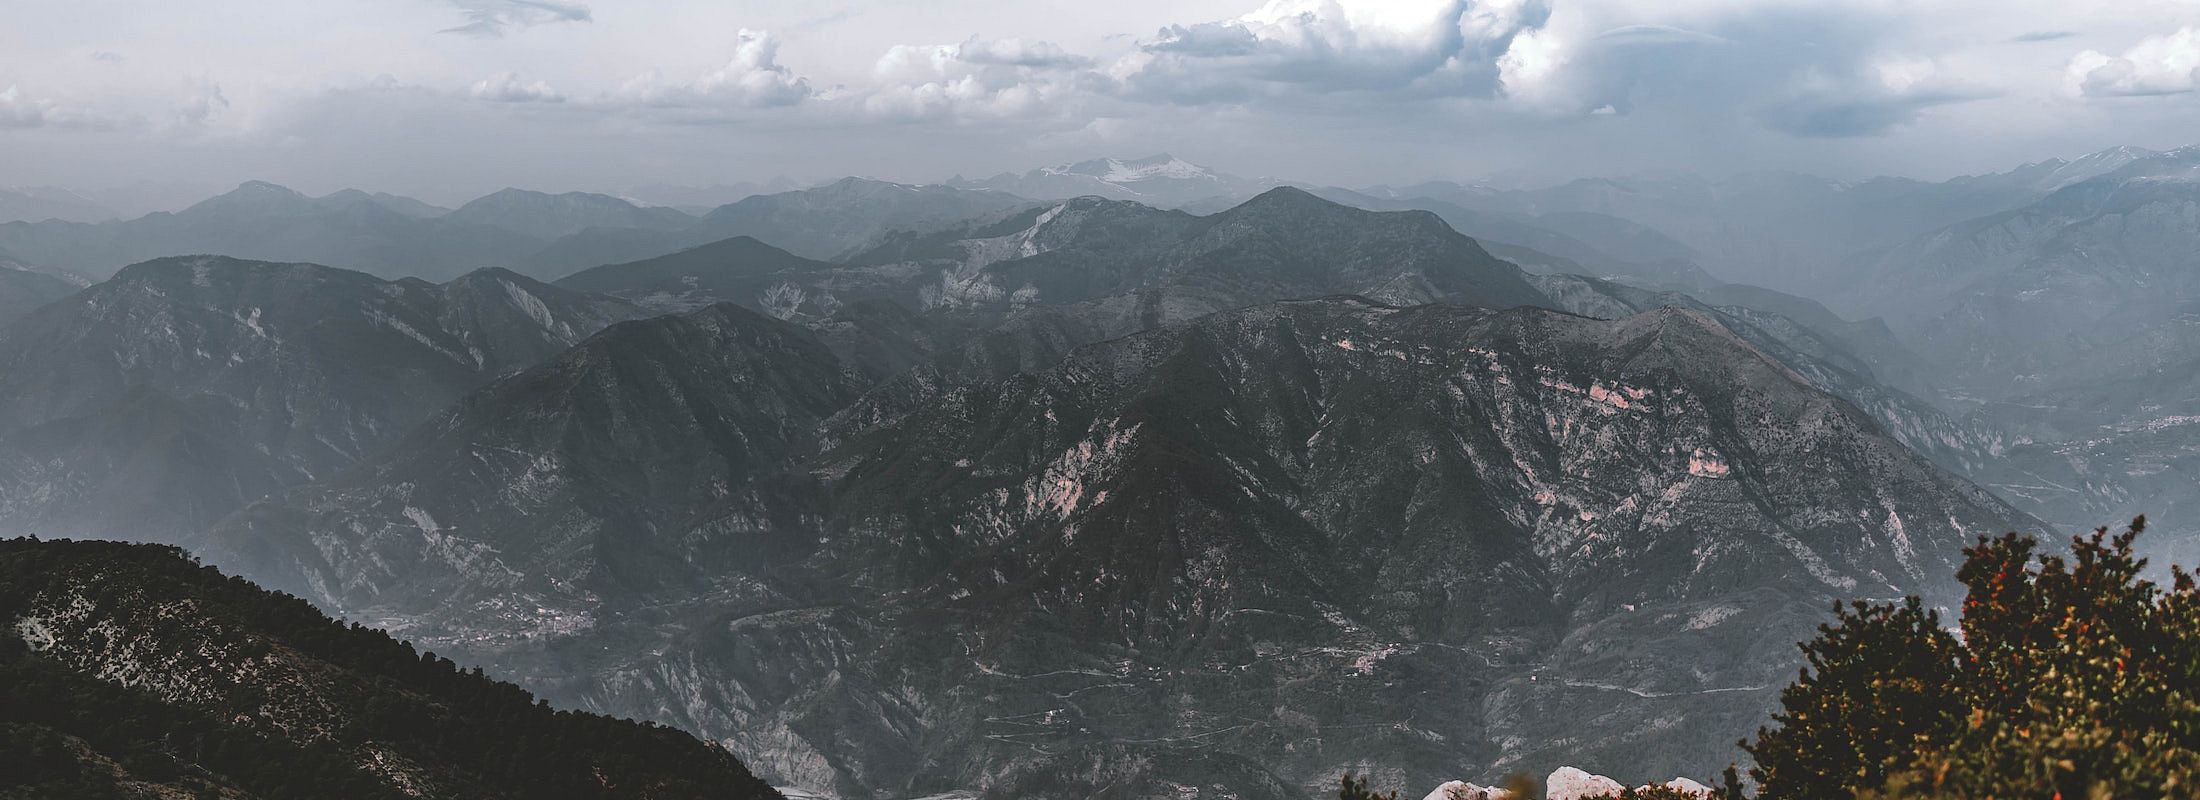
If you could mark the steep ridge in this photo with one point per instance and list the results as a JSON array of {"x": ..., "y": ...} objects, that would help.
[
  {"x": 1244, "y": 552},
  {"x": 1842, "y": 358},
  {"x": 577, "y": 479},
  {"x": 131, "y": 671},
  {"x": 148, "y": 406}
]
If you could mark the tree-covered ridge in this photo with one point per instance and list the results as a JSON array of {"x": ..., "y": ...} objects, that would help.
[
  {"x": 2073, "y": 677},
  {"x": 132, "y": 670}
]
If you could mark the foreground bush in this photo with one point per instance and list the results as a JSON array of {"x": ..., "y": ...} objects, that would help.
[{"x": 2072, "y": 678}]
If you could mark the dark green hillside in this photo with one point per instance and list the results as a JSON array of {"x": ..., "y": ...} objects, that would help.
[{"x": 131, "y": 670}]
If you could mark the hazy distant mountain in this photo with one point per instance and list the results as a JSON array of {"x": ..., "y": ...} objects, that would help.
[
  {"x": 834, "y": 219},
  {"x": 1350, "y": 514},
  {"x": 819, "y": 223},
  {"x": 131, "y": 671},
  {"x": 150, "y": 405},
  {"x": 551, "y": 216},
  {"x": 1568, "y": 243},
  {"x": 2023, "y": 292},
  {"x": 355, "y": 230},
  {"x": 38, "y": 203},
  {"x": 737, "y": 270},
  {"x": 23, "y": 289},
  {"x": 1161, "y": 181},
  {"x": 1783, "y": 230},
  {"x": 400, "y": 204},
  {"x": 1283, "y": 244},
  {"x": 699, "y": 200}
]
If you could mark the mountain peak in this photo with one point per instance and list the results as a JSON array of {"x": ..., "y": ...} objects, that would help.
[
  {"x": 255, "y": 197},
  {"x": 1286, "y": 197},
  {"x": 265, "y": 187}
]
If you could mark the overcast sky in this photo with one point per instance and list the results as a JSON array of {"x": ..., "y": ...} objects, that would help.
[{"x": 446, "y": 99}]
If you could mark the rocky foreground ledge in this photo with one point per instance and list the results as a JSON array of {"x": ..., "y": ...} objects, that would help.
[{"x": 1565, "y": 783}]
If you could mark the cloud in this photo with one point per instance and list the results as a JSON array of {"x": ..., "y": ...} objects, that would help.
[
  {"x": 1019, "y": 53},
  {"x": 107, "y": 56},
  {"x": 202, "y": 105},
  {"x": 1445, "y": 47},
  {"x": 1803, "y": 70},
  {"x": 978, "y": 78},
  {"x": 20, "y": 110},
  {"x": 2042, "y": 36},
  {"x": 489, "y": 19},
  {"x": 754, "y": 78},
  {"x": 506, "y": 87},
  {"x": 1860, "y": 109},
  {"x": 1868, "y": 101},
  {"x": 2157, "y": 65}
]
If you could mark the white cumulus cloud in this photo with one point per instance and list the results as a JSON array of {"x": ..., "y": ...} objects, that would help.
[
  {"x": 507, "y": 87},
  {"x": 2157, "y": 65},
  {"x": 753, "y": 78},
  {"x": 1442, "y": 46},
  {"x": 977, "y": 78}
]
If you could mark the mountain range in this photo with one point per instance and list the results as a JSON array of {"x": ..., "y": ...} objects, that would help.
[
  {"x": 808, "y": 513},
  {"x": 1349, "y": 513},
  {"x": 150, "y": 405},
  {"x": 1127, "y": 473}
]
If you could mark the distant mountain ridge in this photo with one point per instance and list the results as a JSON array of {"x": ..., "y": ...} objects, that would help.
[
  {"x": 36, "y": 203},
  {"x": 1161, "y": 181},
  {"x": 549, "y": 216},
  {"x": 259, "y": 220}
]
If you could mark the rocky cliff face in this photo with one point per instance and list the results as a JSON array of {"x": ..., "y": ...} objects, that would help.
[
  {"x": 1235, "y": 555},
  {"x": 149, "y": 405}
]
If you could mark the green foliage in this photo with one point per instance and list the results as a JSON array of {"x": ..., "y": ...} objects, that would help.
[
  {"x": 474, "y": 736},
  {"x": 2074, "y": 678}
]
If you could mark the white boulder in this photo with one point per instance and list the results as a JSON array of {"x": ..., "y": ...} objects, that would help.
[
  {"x": 1568, "y": 783},
  {"x": 1687, "y": 786},
  {"x": 1462, "y": 790}
]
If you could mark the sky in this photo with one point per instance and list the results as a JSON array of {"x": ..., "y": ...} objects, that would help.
[{"x": 449, "y": 99}]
